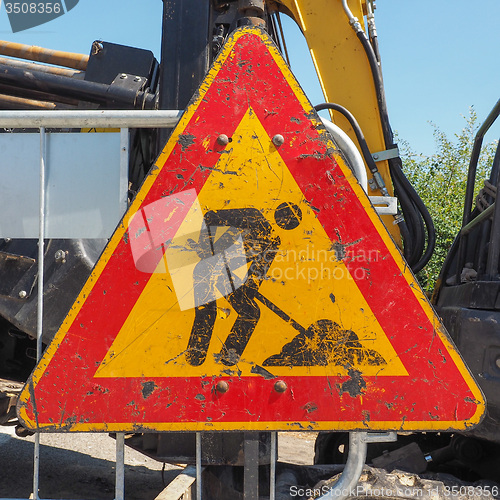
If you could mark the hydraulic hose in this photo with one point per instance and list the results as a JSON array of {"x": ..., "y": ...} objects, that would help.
[
  {"x": 357, "y": 131},
  {"x": 373, "y": 168},
  {"x": 413, "y": 224},
  {"x": 372, "y": 30},
  {"x": 375, "y": 70},
  {"x": 401, "y": 180}
]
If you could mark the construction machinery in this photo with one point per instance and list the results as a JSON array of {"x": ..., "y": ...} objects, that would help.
[{"x": 342, "y": 40}]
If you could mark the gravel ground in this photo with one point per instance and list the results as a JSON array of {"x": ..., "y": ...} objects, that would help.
[
  {"x": 81, "y": 466},
  {"x": 76, "y": 466}
]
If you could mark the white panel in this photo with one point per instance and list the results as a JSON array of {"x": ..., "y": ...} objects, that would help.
[{"x": 85, "y": 185}]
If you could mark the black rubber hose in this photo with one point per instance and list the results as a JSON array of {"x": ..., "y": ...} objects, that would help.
[
  {"x": 397, "y": 172},
  {"x": 374, "y": 44},
  {"x": 365, "y": 151},
  {"x": 406, "y": 189},
  {"x": 407, "y": 230},
  {"x": 415, "y": 213},
  {"x": 379, "y": 88},
  {"x": 413, "y": 221}
]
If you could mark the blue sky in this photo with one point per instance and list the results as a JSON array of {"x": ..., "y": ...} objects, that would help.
[{"x": 438, "y": 56}]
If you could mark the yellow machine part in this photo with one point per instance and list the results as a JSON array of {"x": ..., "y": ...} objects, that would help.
[{"x": 344, "y": 73}]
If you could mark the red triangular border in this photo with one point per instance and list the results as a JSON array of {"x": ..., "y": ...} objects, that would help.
[{"x": 439, "y": 393}]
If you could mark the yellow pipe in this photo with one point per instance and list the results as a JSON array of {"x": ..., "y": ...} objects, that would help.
[
  {"x": 11, "y": 102},
  {"x": 39, "y": 54},
  {"x": 54, "y": 70}
]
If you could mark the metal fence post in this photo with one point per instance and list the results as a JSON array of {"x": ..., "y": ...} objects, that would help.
[
  {"x": 120, "y": 466},
  {"x": 39, "y": 327},
  {"x": 272, "y": 466},
  {"x": 67, "y": 119},
  {"x": 198, "y": 466}
]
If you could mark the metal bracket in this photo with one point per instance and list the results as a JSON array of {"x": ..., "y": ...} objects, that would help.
[
  {"x": 386, "y": 155},
  {"x": 358, "y": 442},
  {"x": 380, "y": 437},
  {"x": 385, "y": 205}
]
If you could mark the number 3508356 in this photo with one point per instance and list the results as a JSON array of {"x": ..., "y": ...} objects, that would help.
[{"x": 33, "y": 7}]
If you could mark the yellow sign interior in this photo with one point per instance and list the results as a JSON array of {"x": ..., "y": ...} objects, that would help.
[{"x": 303, "y": 289}]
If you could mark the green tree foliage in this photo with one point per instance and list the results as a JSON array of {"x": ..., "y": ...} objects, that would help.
[{"x": 440, "y": 180}]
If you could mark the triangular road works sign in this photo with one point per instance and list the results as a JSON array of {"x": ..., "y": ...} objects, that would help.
[{"x": 251, "y": 285}]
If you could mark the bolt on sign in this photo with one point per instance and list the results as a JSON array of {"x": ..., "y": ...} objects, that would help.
[{"x": 251, "y": 285}]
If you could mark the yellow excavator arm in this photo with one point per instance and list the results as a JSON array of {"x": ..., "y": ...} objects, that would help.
[{"x": 332, "y": 29}]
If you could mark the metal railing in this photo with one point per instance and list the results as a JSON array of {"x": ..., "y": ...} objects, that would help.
[
  {"x": 78, "y": 119},
  {"x": 159, "y": 119},
  {"x": 493, "y": 211}
]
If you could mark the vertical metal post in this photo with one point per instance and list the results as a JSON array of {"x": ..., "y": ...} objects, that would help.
[
  {"x": 36, "y": 467},
  {"x": 120, "y": 436},
  {"x": 469, "y": 193},
  {"x": 124, "y": 155},
  {"x": 272, "y": 466},
  {"x": 198, "y": 466},
  {"x": 251, "y": 466},
  {"x": 120, "y": 466},
  {"x": 39, "y": 317}
]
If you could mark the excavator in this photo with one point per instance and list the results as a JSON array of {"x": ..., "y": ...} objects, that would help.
[{"x": 342, "y": 39}]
